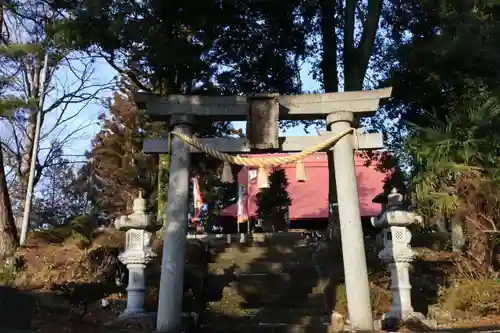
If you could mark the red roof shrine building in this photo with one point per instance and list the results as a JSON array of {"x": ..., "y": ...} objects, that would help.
[{"x": 309, "y": 208}]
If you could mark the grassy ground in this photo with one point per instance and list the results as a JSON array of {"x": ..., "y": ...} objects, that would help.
[{"x": 60, "y": 257}]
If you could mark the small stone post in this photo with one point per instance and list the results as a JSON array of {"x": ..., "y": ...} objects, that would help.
[
  {"x": 353, "y": 246},
  {"x": 139, "y": 228},
  {"x": 395, "y": 221}
]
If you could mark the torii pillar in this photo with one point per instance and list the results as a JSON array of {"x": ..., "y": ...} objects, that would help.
[
  {"x": 353, "y": 247},
  {"x": 175, "y": 230}
]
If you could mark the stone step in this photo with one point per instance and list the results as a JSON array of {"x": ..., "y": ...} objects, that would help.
[
  {"x": 264, "y": 327},
  {"x": 260, "y": 291},
  {"x": 265, "y": 283},
  {"x": 296, "y": 268},
  {"x": 262, "y": 249},
  {"x": 279, "y": 314},
  {"x": 252, "y": 256},
  {"x": 290, "y": 315},
  {"x": 274, "y": 285},
  {"x": 282, "y": 278},
  {"x": 296, "y": 301}
]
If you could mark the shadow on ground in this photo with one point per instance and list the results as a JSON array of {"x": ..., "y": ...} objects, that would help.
[
  {"x": 278, "y": 284},
  {"x": 285, "y": 285},
  {"x": 273, "y": 286}
]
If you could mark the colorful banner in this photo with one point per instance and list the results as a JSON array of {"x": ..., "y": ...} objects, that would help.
[
  {"x": 197, "y": 199},
  {"x": 242, "y": 215}
]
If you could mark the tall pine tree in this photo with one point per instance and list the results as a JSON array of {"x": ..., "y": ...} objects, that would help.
[{"x": 117, "y": 160}]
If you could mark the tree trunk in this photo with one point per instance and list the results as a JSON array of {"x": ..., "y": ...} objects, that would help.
[
  {"x": 26, "y": 166},
  {"x": 268, "y": 225},
  {"x": 279, "y": 221},
  {"x": 8, "y": 232},
  {"x": 479, "y": 246},
  {"x": 330, "y": 84},
  {"x": 356, "y": 60}
]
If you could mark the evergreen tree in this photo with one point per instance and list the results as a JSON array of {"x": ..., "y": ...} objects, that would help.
[
  {"x": 430, "y": 66},
  {"x": 58, "y": 201},
  {"x": 117, "y": 160},
  {"x": 456, "y": 174},
  {"x": 86, "y": 189},
  {"x": 273, "y": 202},
  {"x": 118, "y": 169},
  {"x": 247, "y": 46}
]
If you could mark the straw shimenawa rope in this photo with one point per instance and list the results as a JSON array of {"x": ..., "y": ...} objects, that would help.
[{"x": 259, "y": 161}]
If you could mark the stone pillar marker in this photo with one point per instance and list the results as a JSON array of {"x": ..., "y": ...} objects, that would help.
[
  {"x": 397, "y": 253},
  {"x": 174, "y": 236},
  {"x": 353, "y": 246},
  {"x": 139, "y": 228}
]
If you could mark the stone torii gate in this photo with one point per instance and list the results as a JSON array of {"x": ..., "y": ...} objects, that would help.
[{"x": 340, "y": 111}]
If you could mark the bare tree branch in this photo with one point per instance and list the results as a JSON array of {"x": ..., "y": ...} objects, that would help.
[{"x": 71, "y": 86}]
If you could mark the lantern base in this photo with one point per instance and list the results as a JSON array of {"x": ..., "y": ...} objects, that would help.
[{"x": 133, "y": 316}]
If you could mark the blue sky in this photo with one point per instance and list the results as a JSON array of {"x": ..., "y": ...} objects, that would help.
[
  {"x": 103, "y": 74},
  {"x": 88, "y": 117}
]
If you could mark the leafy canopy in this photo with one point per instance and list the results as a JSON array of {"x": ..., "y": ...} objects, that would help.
[{"x": 466, "y": 143}]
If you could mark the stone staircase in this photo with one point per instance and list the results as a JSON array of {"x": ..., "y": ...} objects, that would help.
[{"x": 267, "y": 285}]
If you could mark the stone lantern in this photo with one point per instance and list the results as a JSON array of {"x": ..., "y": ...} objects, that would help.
[
  {"x": 395, "y": 221},
  {"x": 139, "y": 228}
]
